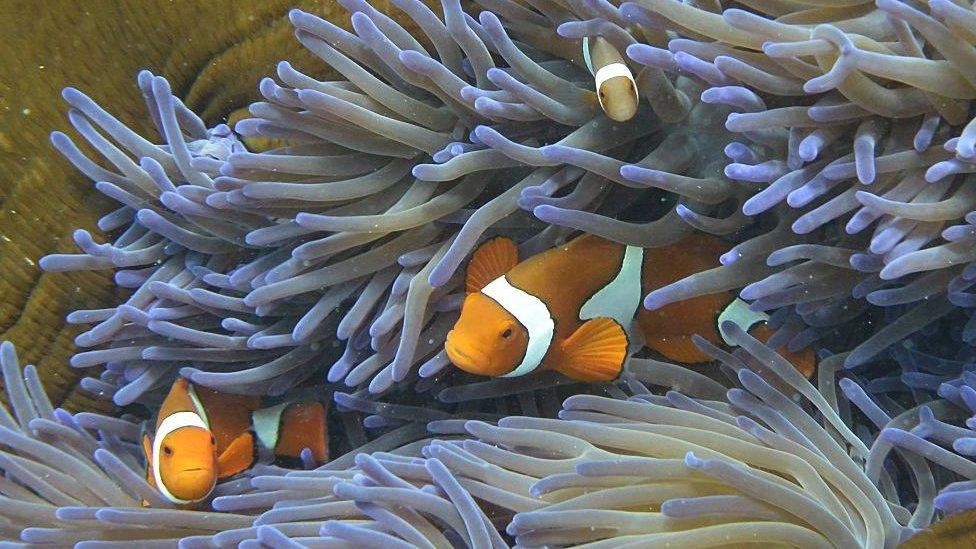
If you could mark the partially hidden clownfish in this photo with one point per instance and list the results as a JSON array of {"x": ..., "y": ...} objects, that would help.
[
  {"x": 569, "y": 308},
  {"x": 202, "y": 435},
  {"x": 616, "y": 89}
]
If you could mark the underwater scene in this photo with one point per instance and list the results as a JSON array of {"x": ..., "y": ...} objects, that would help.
[{"x": 488, "y": 274}]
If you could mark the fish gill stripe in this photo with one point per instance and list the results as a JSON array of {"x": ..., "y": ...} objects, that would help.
[
  {"x": 619, "y": 298},
  {"x": 177, "y": 420},
  {"x": 607, "y": 72},
  {"x": 613, "y": 70},
  {"x": 532, "y": 313},
  {"x": 739, "y": 312}
]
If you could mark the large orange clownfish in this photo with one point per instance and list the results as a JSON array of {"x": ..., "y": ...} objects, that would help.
[
  {"x": 568, "y": 309},
  {"x": 202, "y": 435}
]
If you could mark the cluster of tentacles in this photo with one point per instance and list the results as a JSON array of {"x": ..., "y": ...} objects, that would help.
[
  {"x": 845, "y": 190},
  {"x": 853, "y": 143},
  {"x": 826, "y": 141},
  {"x": 774, "y": 460}
]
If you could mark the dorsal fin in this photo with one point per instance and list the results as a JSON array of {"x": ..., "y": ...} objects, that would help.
[{"x": 491, "y": 260}]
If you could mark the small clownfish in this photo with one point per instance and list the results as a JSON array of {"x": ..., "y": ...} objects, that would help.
[
  {"x": 568, "y": 308},
  {"x": 614, "y": 83},
  {"x": 202, "y": 436}
]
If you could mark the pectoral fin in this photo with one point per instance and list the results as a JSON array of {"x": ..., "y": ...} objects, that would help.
[
  {"x": 490, "y": 261},
  {"x": 238, "y": 456},
  {"x": 147, "y": 452},
  {"x": 596, "y": 351},
  {"x": 147, "y": 449}
]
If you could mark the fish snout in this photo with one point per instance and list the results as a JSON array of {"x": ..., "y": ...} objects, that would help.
[
  {"x": 465, "y": 356},
  {"x": 194, "y": 483}
]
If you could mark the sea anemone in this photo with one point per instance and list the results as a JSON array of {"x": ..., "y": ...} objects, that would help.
[
  {"x": 774, "y": 460},
  {"x": 387, "y": 180},
  {"x": 922, "y": 411},
  {"x": 252, "y": 266},
  {"x": 324, "y": 238},
  {"x": 851, "y": 142},
  {"x": 767, "y": 465}
]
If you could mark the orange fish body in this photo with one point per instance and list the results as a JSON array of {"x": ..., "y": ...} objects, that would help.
[
  {"x": 202, "y": 435},
  {"x": 568, "y": 309}
]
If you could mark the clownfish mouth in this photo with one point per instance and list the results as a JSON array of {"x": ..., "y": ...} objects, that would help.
[
  {"x": 192, "y": 484},
  {"x": 468, "y": 360}
]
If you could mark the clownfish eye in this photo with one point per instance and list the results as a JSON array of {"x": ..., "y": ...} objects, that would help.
[
  {"x": 507, "y": 333},
  {"x": 213, "y": 441},
  {"x": 167, "y": 450}
]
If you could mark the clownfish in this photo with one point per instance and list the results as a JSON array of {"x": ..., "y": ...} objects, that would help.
[
  {"x": 569, "y": 308},
  {"x": 202, "y": 436},
  {"x": 615, "y": 87}
]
